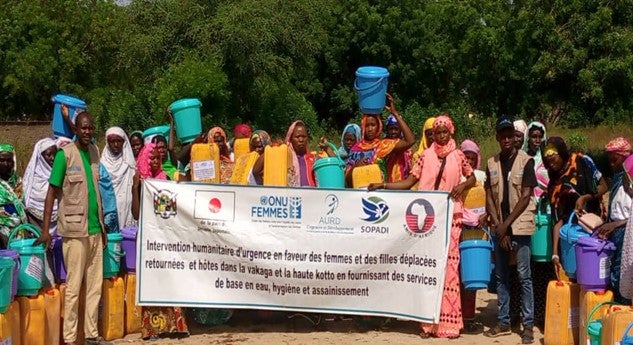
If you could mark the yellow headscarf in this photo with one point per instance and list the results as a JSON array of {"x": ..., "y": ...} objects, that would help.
[{"x": 424, "y": 144}]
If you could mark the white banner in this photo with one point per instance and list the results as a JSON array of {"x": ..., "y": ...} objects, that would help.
[{"x": 314, "y": 250}]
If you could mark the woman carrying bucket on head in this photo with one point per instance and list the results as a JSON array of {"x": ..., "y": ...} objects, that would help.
[
  {"x": 371, "y": 149},
  {"x": 618, "y": 150},
  {"x": 430, "y": 175}
]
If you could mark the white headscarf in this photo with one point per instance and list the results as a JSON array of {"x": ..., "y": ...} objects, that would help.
[
  {"x": 36, "y": 177},
  {"x": 121, "y": 169}
]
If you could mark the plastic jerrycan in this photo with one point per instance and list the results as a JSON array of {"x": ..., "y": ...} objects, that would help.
[
  {"x": 588, "y": 300},
  {"x": 561, "y": 313},
  {"x": 615, "y": 322},
  {"x": 133, "y": 314},
  {"x": 6, "y": 334},
  {"x": 242, "y": 169},
  {"x": 364, "y": 175},
  {"x": 205, "y": 163},
  {"x": 113, "y": 308},
  {"x": 33, "y": 319},
  {"x": 13, "y": 316},
  {"x": 276, "y": 165},
  {"x": 241, "y": 147},
  {"x": 53, "y": 304}
]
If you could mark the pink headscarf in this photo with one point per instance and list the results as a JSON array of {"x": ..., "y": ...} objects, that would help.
[
  {"x": 446, "y": 121},
  {"x": 242, "y": 130},
  {"x": 450, "y": 146},
  {"x": 619, "y": 146},
  {"x": 144, "y": 166},
  {"x": 471, "y": 146}
]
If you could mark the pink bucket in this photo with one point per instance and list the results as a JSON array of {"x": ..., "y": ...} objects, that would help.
[{"x": 593, "y": 263}]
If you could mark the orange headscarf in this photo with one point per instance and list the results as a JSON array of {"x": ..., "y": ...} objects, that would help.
[{"x": 383, "y": 146}]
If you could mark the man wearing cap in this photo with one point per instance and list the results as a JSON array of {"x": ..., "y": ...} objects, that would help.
[{"x": 509, "y": 202}]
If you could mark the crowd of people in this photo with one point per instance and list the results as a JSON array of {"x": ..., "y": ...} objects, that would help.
[{"x": 79, "y": 195}]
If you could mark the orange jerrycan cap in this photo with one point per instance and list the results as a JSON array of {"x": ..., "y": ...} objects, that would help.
[
  {"x": 560, "y": 283},
  {"x": 601, "y": 292}
]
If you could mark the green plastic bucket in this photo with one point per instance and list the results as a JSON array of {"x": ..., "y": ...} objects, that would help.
[
  {"x": 542, "y": 238},
  {"x": 112, "y": 255},
  {"x": 594, "y": 327},
  {"x": 187, "y": 118},
  {"x": 6, "y": 282},
  {"x": 31, "y": 274},
  {"x": 330, "y": 172}
]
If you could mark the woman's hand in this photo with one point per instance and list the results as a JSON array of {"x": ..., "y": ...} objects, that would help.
[
  {"x": 170, "y": 117},
  {"x": 483, "y": 220},
  {"x": 557, "y": 266},
  {"x": 136, "y": 181},
  {"x": 391, "y": 107},
  {"x": 376, "y": 186},
  {"x": 323, "y": 143},
  {"x": 457, "y": 191},
  {"x": 360, "y": 163},
  {"x": 580, "y": 203},
  {"x": 605, "y": 230}
]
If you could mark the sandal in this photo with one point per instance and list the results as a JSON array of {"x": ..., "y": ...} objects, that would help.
[{"x": 425, "y": 335}]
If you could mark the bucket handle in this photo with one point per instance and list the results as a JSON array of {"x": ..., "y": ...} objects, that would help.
[
  {"x": 626, "y": 331},
  {"x": 598, "y": 306},
  {"x": 571, "y": 217},
  {"x": 26, "y": 226},
  {"x": 368, "y": 87},
  {"x": 335, "y": 149},
  {"x": 119, "y": 254}
]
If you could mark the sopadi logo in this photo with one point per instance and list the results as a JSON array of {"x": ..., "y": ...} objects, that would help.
[{"x": 376, "y": 210}]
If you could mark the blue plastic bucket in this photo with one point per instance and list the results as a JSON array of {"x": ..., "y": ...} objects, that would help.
[
  {"x": 7, "y": 265},
  {"x": 475, "y": 263},
  {"x": 626, "y": 338},
  {"x": 541, "y": 241},
  {"x": 371, "y": 86},
  {"x": 158, "y": 130},
  {"x": 330, "y": 172},
  {"x": 186, "y": 114},
  {"x": 15, "y": 256},
  {"x": 31, "y": 274},
  {"x": 112, "y": 255},
  {"x": 569, "y": 235},
  {"x": 75, "y": 106}
]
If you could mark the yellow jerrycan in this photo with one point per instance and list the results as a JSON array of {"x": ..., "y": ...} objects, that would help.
[
  {"x": 205, "y": 163},
  {"x": 113, "y": 306},
  {"x": 276, "y": 165},
  {"x": 561, "y": 313},
  {"x": 13, "y": 316},
  {"x": 243, "y": 167},
  {"x": 615, "y": 322},
  {"x": 6, "y": 333},
  {"x": 33, "y": 319},
  {"x": 53, "y": 304},
  {"x": 241, "y": 147},
  {"x": 364, "y": 175},
  {"x": 133, "y": 314},
  {"x": 588, "y": 300}
]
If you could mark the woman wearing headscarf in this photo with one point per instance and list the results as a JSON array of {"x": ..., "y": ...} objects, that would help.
[
  {"x": 426, "y": 140},
  {"x": 136, "y": 142},
  {"x": 520, "y": 127},
  {"x": 626, "y": 266},
  {"x": 456, "y": 177},
  {"x": 542, "y": 272},
  {"x": 374, "y": 150},
  {"x": 118, "y": 160},
  {"x": 575, "y": 185},
  {"x": 36, "y": 176},
  {"x": 351, "y": 135},
  {"x": 173, "y": 318},
  {"x": 618, "y": 150},
  {"x": 8, "y": 168},
  {"x": 300, "y": 174},
  {"x": 398, "y": 163},
  {"x": 257, "y": 144},
  {"x": 218, "y": 136}
]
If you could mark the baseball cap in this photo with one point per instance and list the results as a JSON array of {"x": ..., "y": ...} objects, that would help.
[{"x": 504, "y": 122}]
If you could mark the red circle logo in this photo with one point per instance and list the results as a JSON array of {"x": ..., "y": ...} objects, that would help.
[{"x": 215, "y": 205}]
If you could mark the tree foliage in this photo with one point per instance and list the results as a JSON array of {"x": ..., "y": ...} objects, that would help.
[{"x": 268, "y": 62}]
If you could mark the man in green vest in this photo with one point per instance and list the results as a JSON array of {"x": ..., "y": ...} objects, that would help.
[
  {"x": 74, "y": 183},
  {"x": 510, "y": 205}
]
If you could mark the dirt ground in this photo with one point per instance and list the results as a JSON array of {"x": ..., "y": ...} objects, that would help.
[{"x": 243, "y": 330}]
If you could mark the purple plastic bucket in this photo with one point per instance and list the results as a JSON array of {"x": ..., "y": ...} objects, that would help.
[
  {"x": 129, "y": 247},
  {"x": 59, "y": 268},
  {"x": 593, "y": 263},
  {"x": 16, "y": 269}
]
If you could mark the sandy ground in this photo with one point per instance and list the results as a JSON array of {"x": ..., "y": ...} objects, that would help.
[{"x": 242, "y": 329}]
